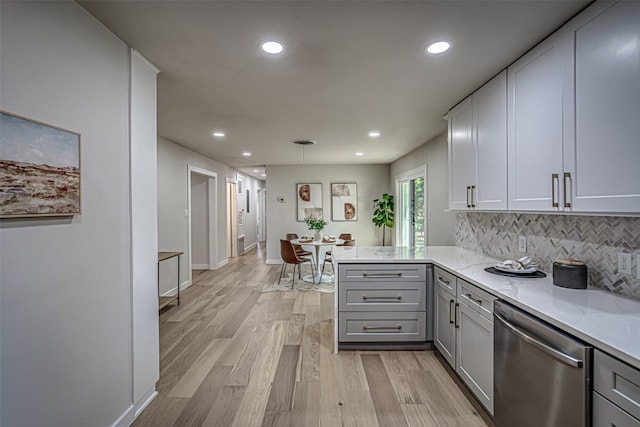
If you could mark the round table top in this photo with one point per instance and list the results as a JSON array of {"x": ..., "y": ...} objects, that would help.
[{"x": 317, "y": 242}]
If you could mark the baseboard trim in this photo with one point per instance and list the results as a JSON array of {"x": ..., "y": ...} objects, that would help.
[
  {"x": 173, "y": 291},
  {"x": 126, "y": 419},
  {"x": 199, "y": 266},
  {"x": 221, "y": 264},
  {"x": 145, "y": 401},
  {"x": 251, "y": 246}
]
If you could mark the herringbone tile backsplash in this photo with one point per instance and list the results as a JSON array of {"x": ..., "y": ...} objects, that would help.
[{"x": 593, "y": 239}]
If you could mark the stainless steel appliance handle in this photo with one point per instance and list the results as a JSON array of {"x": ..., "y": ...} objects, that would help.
[{"x": 569, "y": 360}]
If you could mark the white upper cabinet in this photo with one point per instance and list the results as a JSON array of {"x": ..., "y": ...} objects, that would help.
[
  {"x": 461, "y": 155},
  {"x": 477, "y": 149},
  {"x": 603, "y": 162},
  {"x": 540, "y": 121}
]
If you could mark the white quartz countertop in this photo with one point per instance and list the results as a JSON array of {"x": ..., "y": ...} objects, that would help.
[{"x": 601, "y": 318}]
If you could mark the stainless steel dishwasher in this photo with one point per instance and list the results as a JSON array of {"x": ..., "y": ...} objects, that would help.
[{"x": 542, "y": 376}]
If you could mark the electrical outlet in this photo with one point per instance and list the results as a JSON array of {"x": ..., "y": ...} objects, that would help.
[
  {"x": 522, "y": 243},
  {"x": 624, "y": 263}
]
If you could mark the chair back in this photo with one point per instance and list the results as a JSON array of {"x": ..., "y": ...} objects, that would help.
[
  {"x": 288, "y": 253},
  {"x": 351, "y": 242},
  {"x": 345, "y": 236},
  {"x": 291, "y": 236}
]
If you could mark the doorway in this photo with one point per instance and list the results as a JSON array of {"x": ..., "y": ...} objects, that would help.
[
  {"x": 202, "y": 198},
  {"x": 232, "y": 224},
  {"x": 411, "y": 203},
  {"x": 261, "y": 210}
]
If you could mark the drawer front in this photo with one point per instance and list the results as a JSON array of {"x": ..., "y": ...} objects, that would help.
[
  {"x": 446, "y": 280},
  {"x": 382, "y": 326},
  {"x": 475, "y": 298},
  {"x": 365, "y": 296},
  {"x": 382, "y": 273},
  {"x": 618, "y": 382},
  {"x": 606, "y": 414}
]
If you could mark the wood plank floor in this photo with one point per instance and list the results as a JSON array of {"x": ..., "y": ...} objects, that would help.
[{"x": 231, "y": 355}]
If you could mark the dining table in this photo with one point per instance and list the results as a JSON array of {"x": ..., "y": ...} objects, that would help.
[{"x": 318, "y": 277}]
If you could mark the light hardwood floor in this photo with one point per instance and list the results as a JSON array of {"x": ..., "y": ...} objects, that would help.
[{"x": 231, "y": 355}]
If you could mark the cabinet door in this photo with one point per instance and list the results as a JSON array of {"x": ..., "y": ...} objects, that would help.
[
  {"x": 606, "y": 176},
  {"x": 445, "y": 333},
  {"x": 490, "y": 142},
  {"x": 474, "y": 358},
  {"x": 461, "y": 156},
  {"x": 540, "y": 120}
]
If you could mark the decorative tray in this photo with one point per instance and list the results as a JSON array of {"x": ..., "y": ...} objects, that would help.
[{"x": 536, "y": 274}]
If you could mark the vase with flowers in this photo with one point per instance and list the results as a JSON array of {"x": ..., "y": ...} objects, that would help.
[{"x": 316, "y": 224}]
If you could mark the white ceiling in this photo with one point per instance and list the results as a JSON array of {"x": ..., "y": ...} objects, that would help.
[{"x": 348, "y": 67}]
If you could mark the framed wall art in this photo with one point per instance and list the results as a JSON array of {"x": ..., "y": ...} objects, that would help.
[
  {"x": 309, "y": 201},
  {"x": 39, "y": 169},
  {"x": 344, "y": 202}
]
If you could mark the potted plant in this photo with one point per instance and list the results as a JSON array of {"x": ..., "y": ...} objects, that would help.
[
  {"x": 316, "y": 224},
  {"x": 383, "y": 213}
]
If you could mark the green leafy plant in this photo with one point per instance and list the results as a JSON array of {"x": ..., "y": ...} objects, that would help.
[
  {"x": 383, "y": 215},
  {"x": 316, "y": 224}
]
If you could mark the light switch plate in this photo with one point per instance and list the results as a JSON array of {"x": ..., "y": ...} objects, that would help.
[
  {"x": 522, "y": 243},
  {"x": 624, "y": 263}
]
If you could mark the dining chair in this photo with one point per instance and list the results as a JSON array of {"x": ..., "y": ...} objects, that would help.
[
  {"x": 328, "y": 256},
  {"x": 289, "y": 256},
  {"x": 300, "y": 251}
]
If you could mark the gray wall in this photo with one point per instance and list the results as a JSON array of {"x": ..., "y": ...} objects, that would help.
[
  {"x": 372, "y": 180},
  {"x": 173, "y": 233},
  {"x": 433, "y": 154},
  {"x": 65, "y": 287}
]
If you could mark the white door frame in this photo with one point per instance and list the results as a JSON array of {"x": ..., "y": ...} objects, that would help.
[
  {"x": 420, "y": 171},
  {"x": 212, "y": 202},
  {"x": 232, "y": 218},
  {"x": 262, "y": 212}
]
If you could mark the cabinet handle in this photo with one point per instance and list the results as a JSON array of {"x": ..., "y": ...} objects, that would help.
[
  {"x": 567, "y": 175},
  {"x": 477, "y": 301},
  {"x": 377, "y": 328},
  {"x": 450, "y": 310},
  {"x": 468, "y": 203},
  {"x": 473, "y": 190},
  {"x": 364, "y": 297},
  {"x": 554, "y": 179},
  {"x": 456, "y": 316},
  {"x": 443, "y": 280},
  {"x": 379, "y": 275}
]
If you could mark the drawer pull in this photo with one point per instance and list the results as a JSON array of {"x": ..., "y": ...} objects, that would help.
[
  {"x": 380, "y": 328},
  {"x": 364, "y": 297},
  {"x": 477, "y": 301},
  {"x": 383, "y": 274},
  {"x": 443, "y": 280}
]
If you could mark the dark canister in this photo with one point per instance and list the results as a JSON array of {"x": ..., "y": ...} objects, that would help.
[{"x": 570, "y": 273}]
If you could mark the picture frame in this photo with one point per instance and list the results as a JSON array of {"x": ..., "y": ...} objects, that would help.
[
  {"x": 308, "y": 201},
  {"x": 40, "y": 172},
  {"x": 344, "y": 201}
]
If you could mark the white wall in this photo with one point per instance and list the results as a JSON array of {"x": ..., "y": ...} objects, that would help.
[
  {"x": 372, "y": 180},
  {"x": 65, "y": 287},
  {"x": 199, "y": 221},
  {"x": 433, "y": 154},
  {"x": 173, "y": 234}
]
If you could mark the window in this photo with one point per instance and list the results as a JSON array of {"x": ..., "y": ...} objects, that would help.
[{"x": 411, "y": 207}]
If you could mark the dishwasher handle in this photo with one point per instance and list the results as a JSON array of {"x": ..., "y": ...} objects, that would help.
[{"x": 565, "y": 358}]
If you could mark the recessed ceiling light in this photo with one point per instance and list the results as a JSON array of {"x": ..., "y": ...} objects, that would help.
[
  {"x": 218, "y": 134},
  {"x": 246, "y": 153},
  {"x": 256, "y": 171},
  {"x": 374, "y": 134},
  {"x": 264, "y": 174},
  {"x": 359, "y": 153},
  {"x": 438, "y": 47},
  {"x": 272, "y": 47}
]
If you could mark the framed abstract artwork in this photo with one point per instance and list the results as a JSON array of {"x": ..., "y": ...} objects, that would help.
[
  {"x": 309, "y": 201},
  {"x": 39, "y": 169},
  {"x": 344, "y": 202}
]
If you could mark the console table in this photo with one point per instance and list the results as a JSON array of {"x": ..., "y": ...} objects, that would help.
[{"x": 164, "y": 301}]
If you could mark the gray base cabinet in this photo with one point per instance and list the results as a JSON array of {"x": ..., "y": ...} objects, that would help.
[
  {"x": 464, "y": 332},
  {"x": 616, "y": 392},
  {"x": 385, "y": 303}
]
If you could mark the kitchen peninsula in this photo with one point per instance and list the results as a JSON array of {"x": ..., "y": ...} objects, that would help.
[{"x": 605, "y": 320}]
